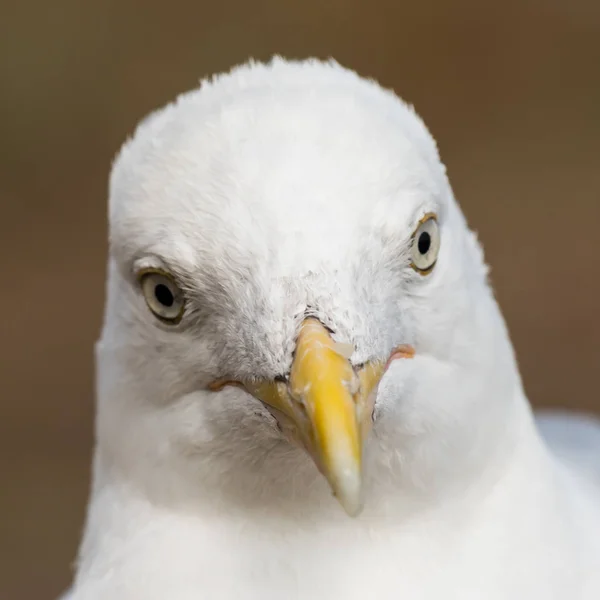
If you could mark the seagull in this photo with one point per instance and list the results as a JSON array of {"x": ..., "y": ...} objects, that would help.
[{"x": 305, "y": 386}]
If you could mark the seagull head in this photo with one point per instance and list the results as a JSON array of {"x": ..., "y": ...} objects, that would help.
[{"x": 295, "y": 304}]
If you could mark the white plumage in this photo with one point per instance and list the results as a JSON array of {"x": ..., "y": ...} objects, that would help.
[{"x": 270, "y": 194}]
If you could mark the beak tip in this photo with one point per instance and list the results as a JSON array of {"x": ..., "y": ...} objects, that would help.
[
  {"x": 348, "y": 492},
  {"x": 353, "y": 509}
]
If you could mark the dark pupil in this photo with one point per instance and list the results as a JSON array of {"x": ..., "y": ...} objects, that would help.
[
  {"x": 164, "y": 295},
  {"x": 424, "y": 243}
]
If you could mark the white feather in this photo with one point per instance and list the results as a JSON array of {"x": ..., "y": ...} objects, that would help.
[{"x": 272, "y": 192}]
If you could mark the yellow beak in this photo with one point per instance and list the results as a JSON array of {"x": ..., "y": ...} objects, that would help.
[{"x": 327, "y": 407}]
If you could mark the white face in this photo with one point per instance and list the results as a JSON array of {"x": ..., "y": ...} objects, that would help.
[{"x": 243, "y": 209}]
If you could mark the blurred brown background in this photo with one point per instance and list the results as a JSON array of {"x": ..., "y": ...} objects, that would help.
[{"x": 510, "y": 89}]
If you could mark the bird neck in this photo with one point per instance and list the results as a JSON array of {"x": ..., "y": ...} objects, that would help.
[{"x": 403, "y": 477}]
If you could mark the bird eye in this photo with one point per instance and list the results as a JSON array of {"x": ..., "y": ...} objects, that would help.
[
  {"x": 163, "y": 296},
  {"x": 425, "y": 245}
]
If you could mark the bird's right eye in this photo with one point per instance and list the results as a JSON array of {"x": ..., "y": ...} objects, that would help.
[{"x": 163, "y": 296}]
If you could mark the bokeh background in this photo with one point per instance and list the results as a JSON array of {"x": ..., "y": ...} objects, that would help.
[{"x": 511, "y": 90}]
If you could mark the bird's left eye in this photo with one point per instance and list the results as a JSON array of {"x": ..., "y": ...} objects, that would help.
[
  {"x": 425, "y": 245},
  {"x": 163, "y": 296}
]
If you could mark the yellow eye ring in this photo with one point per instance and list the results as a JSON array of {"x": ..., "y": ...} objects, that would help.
[
  {"x": 162, "y": 294},
  {"x": 425, "y": 244}
]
